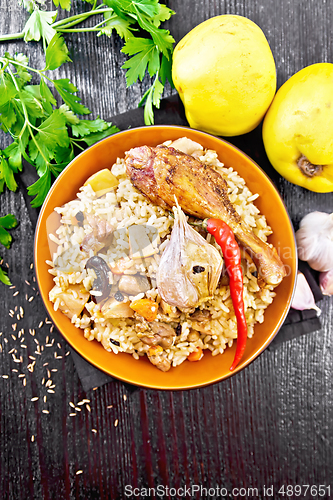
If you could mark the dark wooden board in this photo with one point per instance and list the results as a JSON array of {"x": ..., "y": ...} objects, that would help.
[{"x": 269, "y": 425}]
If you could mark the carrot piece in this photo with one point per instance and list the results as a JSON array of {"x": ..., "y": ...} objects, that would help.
[
  {"x": 154, "y": 350},
  {"x": 195, "y": 355},
  {"x": 146, "y": 308}
]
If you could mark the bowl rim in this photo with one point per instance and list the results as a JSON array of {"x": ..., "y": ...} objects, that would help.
[{"x": 152, "y": 385}]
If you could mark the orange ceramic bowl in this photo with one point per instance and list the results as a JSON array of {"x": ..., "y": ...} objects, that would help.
[{"x": 123, "y": 366}]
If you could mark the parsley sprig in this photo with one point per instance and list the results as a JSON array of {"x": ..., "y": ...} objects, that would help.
[
  {"x": 43, "y": 134},
  {"x": 130, "y": 19},
  {"x": 48, "y": 135},
  {"x": 7, "y": 222}
]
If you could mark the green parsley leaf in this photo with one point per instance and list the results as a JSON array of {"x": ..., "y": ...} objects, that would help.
[
  {"x": 64, "y": 4},
  {"x": 153, "y": 54},
  {"x": 162, "y": 38},
  {"x": 14, "y": 155},
  {"x": 98, "y": 136},
  {"x": 5, "y": 237},
  {"x": 46, "y": 97},
  {"x": 71, "y": 118},
  {"x": 40, "y": 189},
  {"x": 7, "y": 115},
  {"x": 31, "y": 98},
  {"x": 8, "y": 221},
  {"x": 66, "y": 89},
  {"x": 147, "y": 55},
  {"x": 163, "y": 15},
  {"x": 8, "y": 93},
  {"x": 23, "y": 73},
  {"x": 62, "y": 156},
  {"x": 147, "y": 7},
  {"x": 117, "y": 23},
  {"x": 51, "y": 133},
  {"x": 4, "y": 277},
  {"x": 152, "y": 97},
  {"x": 86, "y": 127},
  {"x": 7, "y": 174},
  {"x": 165, "y": 71},
  {"x": 38, "y": 26},
  {"x": 56, "y": 53}
]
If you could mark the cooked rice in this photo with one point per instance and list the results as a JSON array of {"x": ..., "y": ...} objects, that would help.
[{"x": 123, "y": 207}]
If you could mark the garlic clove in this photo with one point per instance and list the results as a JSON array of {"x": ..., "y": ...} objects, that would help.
[
  {"x": 190, "y": 267},
  {"x": 315, "y": 240},
  {"x": 326, "y": 282},
  {"x": 303, "y": 297}
]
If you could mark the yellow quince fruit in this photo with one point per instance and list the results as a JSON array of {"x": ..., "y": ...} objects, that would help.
[
  {"x": 298, "y": 129},
  {"x": 225, "y": 74}
]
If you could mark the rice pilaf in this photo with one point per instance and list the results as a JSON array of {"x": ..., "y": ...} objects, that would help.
[{"x": 212, "y": 326}]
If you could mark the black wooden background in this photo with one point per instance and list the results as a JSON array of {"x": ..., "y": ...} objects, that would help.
[{"x": 270, "y": 425}]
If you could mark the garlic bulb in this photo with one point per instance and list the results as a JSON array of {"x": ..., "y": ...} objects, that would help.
[
  {"x": 303, "y": 296},
  {"x": 315, "y": 240},
  {"x": 326, "y": 282},
  {"x": 190, "y": 267}
]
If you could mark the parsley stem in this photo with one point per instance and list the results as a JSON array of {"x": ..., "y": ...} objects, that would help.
[
  {"x": 80, "y": 17},
  {"x": 5, "y": 63},
  {"x": 17, "y": 63},
  {"x": 65, "y": 23},
  {"x": 76, "y": 144},
  {"x": 77, "y": 30},
  {"x": 11, "y": 36},
  {"x": 64, "y": 29}
]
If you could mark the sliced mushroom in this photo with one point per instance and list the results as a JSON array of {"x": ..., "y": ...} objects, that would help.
[
  {"x": 133, "y": 284},
  {"x": 164, "y": 335},
  {"x": 73, "y": 300},
  {"x": 112, "y": 308},
  {"x": 102, "y": 282},
  {"x": 201, "y": 315}
]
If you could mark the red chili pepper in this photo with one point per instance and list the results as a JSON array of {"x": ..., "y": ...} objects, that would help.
[{"x": 232, "y": 257}]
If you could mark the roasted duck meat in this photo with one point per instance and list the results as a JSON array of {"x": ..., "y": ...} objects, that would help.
[{"x": 162, "y": 173}]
